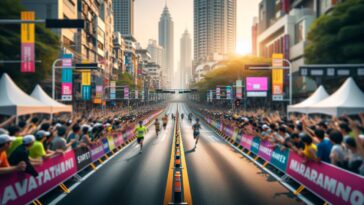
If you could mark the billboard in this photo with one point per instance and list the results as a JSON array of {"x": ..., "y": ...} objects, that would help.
[{"x": 256, "y": 84}]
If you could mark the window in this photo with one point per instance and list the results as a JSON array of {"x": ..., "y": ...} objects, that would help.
[{"x": 298, "y": 32}]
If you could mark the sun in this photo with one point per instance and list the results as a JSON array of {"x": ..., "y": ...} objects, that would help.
[{"x": 243, "y": 47}]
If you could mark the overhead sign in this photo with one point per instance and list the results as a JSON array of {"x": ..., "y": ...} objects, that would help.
[
  {"x": 67, "y": 76},
  {"x": 27, "y": 43},
  {"x": 65, "y": 23},
  {"x": 88, "y": 66},
  {"x": 332, "y": 70},
  {"x": 277, "y": 76}
]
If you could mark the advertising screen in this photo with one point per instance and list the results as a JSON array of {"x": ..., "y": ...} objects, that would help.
[{"x": 256, "y": 84}]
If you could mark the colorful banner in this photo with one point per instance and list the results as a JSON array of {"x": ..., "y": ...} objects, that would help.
[
  {"x": 239, "y": 89},
  {"x": 256, "y": 84},
  {"x": 277, "y": 76},
  {"x": 217, "y": 93},
  {"x": 126, "y": 93},
  {"x": 110, "y": 140},
  {"x": 27, "y": 32},
  {"x": 228, "y": 92},
  {"x": 67, "y": 77},
  {"x": 112, "y": 90},
  {"x": 97, "y": 151},
  {"x": 66, "y": 89},
  {"x": 335, "y": 185},
  {"x": 86, "y": 77},
  {"x": 246, "y": 141},
  {"x": 98, "y": 97},
  {"x": 20, "y": 188},
  {"x": 279, "y": 158},
  {"x": 118, "y": 139},
  {"x": 83, "y": 157},
  {"x": 255, "y": 145},
  {"x": 86, "y": 92},
  {"x": 265, "y": 150}
]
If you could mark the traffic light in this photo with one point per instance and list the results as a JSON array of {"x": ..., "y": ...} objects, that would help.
[{"x": 237, "y": 103}]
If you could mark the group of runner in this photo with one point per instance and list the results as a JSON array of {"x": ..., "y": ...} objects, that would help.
[{"x": 141, "y": 130}]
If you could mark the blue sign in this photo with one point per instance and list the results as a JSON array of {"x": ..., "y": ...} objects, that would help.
[
  {"x": 67, "y": 75},
  {"x": 255, "y": 145},
  {"x": 105, "y": 145},
  {"x": 86, "y": 92},
  {"x": 279, "y": 158}
]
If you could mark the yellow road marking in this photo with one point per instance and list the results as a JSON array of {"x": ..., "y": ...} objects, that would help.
[
  {"x": 169, "y": 185},
  {"x": 186, "y": 183}
]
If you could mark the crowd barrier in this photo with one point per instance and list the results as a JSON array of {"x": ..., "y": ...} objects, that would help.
[
  {"x": 331, "y": 183},
  {"x": 22, "y": 188}
]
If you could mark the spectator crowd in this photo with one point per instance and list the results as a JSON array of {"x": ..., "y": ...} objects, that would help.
[
  {"x": 338, "y": 141},
  {"x": 24, "y": 145}
]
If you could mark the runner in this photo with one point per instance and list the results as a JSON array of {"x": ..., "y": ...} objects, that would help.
[
  {"x": 140, "y": 132},
  {"x": 190, "y": 117},
  {"x": 165, "y": 121},
  {"x": 196, "y": 131},
  {"x": 157, "y": 126},
  {"x": 182, "y": 115}
]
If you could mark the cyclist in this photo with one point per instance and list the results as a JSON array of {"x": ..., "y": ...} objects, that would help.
[
  {"x": 182, "y": 115},
  {"x": 196, "y": 131},
  {"x": 140, "y": 132},
  {"x": 157, "y": 126},
  {"x": 165, "y": 121}
]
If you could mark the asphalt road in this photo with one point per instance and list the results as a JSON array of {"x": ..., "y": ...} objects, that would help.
[
  {"x": 220, "y": 175},
  {"x": 130, "y": 178}
]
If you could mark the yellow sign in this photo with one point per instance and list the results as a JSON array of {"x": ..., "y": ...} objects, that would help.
[
  {"x": 86, "y": 77},
  {"x": 277, "y": 74},
  {"x": 27, "y": 29}
]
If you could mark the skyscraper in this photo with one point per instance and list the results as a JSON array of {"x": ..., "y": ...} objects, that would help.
[
  {"x": 214, "y": 28},
  {"x": 166, "y": 34},
  {"x": 185, "y": 59},
  {"x": 124, "y": 16}
]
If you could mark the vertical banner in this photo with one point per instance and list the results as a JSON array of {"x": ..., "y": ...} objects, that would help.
[
  {"x": 277, "y": 77},
  {"x": 126, "y": 92},
  {"x": 142, "y": 95},
  {"x": 86, "y": 85},
  {"x": 112, "y": 90},
  {"x": 218, "y": 93},
  {"x": 98, "y": 97},
  {"x": 228, "y": 92},
  {"x": 27, "y": 43},
  {"x": 211, "y": 95},
  {"x": 239, "y": 89},
  {"x": 67, "y": 73},
  {"x": 136, "y": 94}
]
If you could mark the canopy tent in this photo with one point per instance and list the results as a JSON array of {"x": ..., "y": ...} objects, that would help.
[
  {"x": 14, "y": 101},
  {"x": 56, "y": 107},
  {"x": 316, "y": 97},
  {"x": 348, "y": 99}
]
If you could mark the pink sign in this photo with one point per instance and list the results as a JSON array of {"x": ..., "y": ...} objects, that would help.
[
  {"x": 335, "y": 185},
  {"x": 256, "y": 84},
  {"x": 66, "y": 88},
  {"x": 118, "y": 139},
  {"x": 126, "y": 93},
  {"x": 22, "y": 188},
  {"x": 246, "y": 141},
  {"x": 27, "y": 58},
  {"x": 96, "y": 152},
  {"x": 265, "y": 150}
]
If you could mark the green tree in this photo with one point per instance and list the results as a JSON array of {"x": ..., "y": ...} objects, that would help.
[
  {"x": 338, "y": 36},
  {"x": 229, "y": 71},
  {"x": 126, "y": 79},
  {"x": 46, "y": 48}
]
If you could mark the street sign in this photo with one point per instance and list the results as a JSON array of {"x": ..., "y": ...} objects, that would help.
[
  {"x": 256, "y": 94},
  {"x": 27, "y": 43},
  {"x": 65, "y": 23},
  {"x": 332, "y": 70},
  {"x": 277, "y": 97},
  {"x": 66, "y": 98},
  {"x": 86, "y": 66},
  {"x": 277, "y": 76},
  {"x": 67, "y": 77}
]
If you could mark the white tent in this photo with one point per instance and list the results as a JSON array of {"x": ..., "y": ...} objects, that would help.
[
  {"x": 39, "y": 94},
  {"x": 348, "y": 99},
  {"x": 316, "y": 97},
  {"x": 14, "y": 101}
]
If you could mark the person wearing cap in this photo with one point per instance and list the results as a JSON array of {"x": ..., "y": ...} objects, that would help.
[
  {"x": 22, "y": 154},
  {"x": 140, "y": 132},
  {"x": 5, "y": 141},
  {"x": 37, "y": 150}
]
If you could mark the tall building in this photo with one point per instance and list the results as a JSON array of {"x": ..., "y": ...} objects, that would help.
[
  {"x": 214, "y": 28},
  {"x": 185, "y": 71},
  {"x": 124, "y": 17},
  {"x": 166, "y": 36},
  {"x": 156, "y": 52}
]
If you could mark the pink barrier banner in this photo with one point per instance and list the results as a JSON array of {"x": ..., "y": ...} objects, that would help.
[
  {"x": 229, "y": 132},
  {"x": 96, "y": 152},
  {"x": 246, "y": 141},
  {"x": 118, "y": 139},
  {"x": 265, "y": 150},
  {"x": 335, "y": 185},
  {"x": 21, "y": 188}
]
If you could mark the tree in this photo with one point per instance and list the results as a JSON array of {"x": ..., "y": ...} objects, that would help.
[
  {"x": 231, "y": 70},
  {"x": 126, "y": 79},
  {"x": 337, "y": 37},
  {"x": 46, "y": 47}
]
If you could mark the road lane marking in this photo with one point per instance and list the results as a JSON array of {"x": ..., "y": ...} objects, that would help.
[
  {"x": 186, "y": 182},
  {"x": 169, "y": 185}
]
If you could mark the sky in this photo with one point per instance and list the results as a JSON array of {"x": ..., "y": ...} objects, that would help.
[{"x": 148, "y": 12}]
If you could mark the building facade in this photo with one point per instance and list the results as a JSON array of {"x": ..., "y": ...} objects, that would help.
[
  {"x": 185, "y": 71},
  {"x": 166, "y": 36},
  {"x": 214, "y": 28},
  {"x": 124, "y": 16}
]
